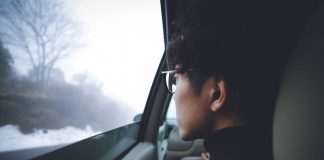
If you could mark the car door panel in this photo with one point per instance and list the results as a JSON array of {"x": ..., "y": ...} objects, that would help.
[
  {"x": 108, "y": 145},
  {"x": 142, "y": 150}
]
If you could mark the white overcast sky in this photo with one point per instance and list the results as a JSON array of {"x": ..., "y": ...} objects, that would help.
[{"x": 124, "y": 45}]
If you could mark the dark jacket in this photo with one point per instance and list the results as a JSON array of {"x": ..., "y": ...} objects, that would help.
[{"x": 246, "y": 142}]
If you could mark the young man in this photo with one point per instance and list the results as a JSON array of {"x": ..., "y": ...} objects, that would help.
[{"x": 226, "y": 59}]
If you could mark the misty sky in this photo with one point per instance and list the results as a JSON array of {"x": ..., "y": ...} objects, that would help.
[{"x": 122, "y": 47}]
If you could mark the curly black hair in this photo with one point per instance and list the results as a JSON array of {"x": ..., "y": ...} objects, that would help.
[{"x": 245, "y": 42}]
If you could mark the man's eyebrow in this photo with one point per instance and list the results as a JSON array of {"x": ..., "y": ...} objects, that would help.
[{"x": 177, "y": 67}]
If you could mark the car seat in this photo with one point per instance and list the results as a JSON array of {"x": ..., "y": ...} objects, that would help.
[{"x": 298, "y": 131}]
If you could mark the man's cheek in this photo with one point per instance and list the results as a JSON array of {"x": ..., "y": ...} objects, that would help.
[{"x": 181, "y": 116}]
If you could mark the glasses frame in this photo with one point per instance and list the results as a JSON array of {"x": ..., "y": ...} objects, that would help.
[
  {"x": 166, "y": 77},
  {"x": 166, "y": 73}
]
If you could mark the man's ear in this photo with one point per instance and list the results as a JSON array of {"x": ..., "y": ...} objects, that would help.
[{"x": 218, "y": 94}]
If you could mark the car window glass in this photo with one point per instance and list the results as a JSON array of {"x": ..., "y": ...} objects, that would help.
[
  {"x": 171, "y": 114},
  {"x": 167, "y": 126},
  {"x": 75, "y": 68}
]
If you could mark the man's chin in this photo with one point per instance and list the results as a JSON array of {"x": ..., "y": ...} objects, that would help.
[{"x": 187, "y": 136}]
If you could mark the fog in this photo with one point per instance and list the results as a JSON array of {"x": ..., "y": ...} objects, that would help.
[{"x": 100, "y": 85}]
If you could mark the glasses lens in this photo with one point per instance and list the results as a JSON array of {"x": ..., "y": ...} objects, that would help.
[{"x": 171, "y": 82}]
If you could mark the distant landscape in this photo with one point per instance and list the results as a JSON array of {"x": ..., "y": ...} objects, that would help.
[
  {"x": 56, "y": 103},
  {"x": 66, "y": 76},
  {"x": 30, "y": 106},
  {"x": 42, "y": 98}
]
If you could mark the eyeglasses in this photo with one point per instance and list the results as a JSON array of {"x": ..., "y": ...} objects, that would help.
[{"x": 171, "y": 79}]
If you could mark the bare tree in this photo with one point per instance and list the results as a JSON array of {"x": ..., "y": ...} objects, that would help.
[
  {"x": 41, "y": 30},
  {"x": 6, "y": 62}
]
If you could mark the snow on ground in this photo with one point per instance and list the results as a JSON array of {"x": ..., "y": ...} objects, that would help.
[{"x": 11, "y": 137}]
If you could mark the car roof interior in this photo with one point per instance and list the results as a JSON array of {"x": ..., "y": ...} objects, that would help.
[{"x": 298, "y": 130}]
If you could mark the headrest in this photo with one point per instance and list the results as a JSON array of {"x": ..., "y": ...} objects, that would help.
[{"x": 298, "y": 132}]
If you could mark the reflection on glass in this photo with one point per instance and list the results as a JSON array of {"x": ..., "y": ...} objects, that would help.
[{"x": 66, "y": 67}]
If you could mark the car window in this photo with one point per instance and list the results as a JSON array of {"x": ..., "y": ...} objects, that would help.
[
  {"x": 73, "y": 69},
  {"x": 171, "y": 114}
]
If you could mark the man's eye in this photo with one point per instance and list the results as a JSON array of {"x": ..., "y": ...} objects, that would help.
[
  {"x": 173, "y": 78},
  {"x": 176, "y": 75}
]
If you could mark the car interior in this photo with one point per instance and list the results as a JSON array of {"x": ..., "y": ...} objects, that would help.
[
  {"x": 298, "y": 132},
  {"x": 298, "y": 115}
]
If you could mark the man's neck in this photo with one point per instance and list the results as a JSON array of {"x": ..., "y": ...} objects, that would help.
[{"x": 226, "y": 121}]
